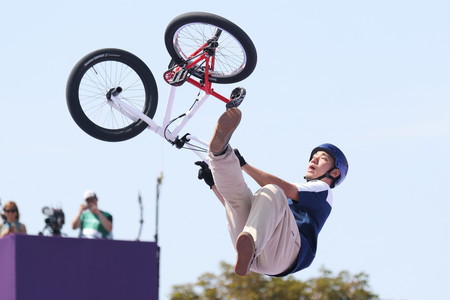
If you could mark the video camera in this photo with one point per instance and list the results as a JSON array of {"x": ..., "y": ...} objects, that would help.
[{"x": 54, "y": 221}]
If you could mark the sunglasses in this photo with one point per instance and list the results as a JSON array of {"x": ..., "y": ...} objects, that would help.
[{"x": 10, "y": 210}]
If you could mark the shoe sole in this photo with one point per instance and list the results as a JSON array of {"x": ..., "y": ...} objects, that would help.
[
  {"x": 245, "y": 247},
  {"x": 226, "y": 125}
]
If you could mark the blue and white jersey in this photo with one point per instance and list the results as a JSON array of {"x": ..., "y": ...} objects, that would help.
[{"x": 310, "y": 212}]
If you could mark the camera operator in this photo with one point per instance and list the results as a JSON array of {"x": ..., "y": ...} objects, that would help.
[
  {"x": 11, "y": 224},
  {"x": 93, "y": 222}
]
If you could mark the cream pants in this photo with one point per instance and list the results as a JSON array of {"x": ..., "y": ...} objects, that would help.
[{"x": 265, "y": 215}]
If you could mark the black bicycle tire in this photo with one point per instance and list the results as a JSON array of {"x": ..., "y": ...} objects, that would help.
[
  {"x": 218, "y": 21},
  {"x": 73, "y": 97}
]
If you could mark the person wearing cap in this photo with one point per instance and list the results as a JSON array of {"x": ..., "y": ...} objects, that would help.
[
  {"x": 93, "y": 222},
  {"x": 274, "y": 230},
  {"x": 11, "y": 224}
]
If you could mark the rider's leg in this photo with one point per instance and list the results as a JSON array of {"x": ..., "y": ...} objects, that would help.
[
  {"x": 274, "y": 230},
  {"x": 265, "y": 216},
  {"x": 227, "y": 173},
  {"x": 229, "y": 181},
  {"x": 228, "y": 122}
]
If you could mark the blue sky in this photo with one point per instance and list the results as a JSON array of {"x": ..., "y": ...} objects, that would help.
[{"x": 370, "y": 76}]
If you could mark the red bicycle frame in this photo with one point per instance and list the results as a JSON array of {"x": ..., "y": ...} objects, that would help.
[{"x": 206, "y": 85}]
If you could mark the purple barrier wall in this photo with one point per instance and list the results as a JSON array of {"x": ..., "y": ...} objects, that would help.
[
  {"x": 7, "y": 268},
  {"x": 38, "y": 267}
]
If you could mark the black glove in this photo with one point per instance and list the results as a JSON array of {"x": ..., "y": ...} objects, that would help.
[
  {"x": 242, "y": 161},
  {"x": 205, "y": 173}
]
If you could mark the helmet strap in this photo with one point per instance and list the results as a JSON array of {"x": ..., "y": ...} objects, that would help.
[{"x": 327, "y": 175}]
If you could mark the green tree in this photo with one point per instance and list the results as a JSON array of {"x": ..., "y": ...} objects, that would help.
[
  {"x": 254, "y": 286},
  {"x": 342, "y": 287}
]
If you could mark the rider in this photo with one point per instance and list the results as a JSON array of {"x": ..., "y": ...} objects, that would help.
[{"x": 274, "y": 230}]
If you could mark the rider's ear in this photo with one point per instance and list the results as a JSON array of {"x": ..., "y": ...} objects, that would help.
[{"x": 335, "y": 173}]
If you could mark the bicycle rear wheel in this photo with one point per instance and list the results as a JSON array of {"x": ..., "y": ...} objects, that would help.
[
  {"x": 93, "y": 77},
  {"x": 235, "y": 56}
]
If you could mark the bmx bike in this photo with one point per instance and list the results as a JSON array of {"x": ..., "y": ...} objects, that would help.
[{"x": 112, "y": 94}]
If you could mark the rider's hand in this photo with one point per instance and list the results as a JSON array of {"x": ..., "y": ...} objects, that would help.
[
  {"x": 242, "y": 161},
  {"x": 205, "y": 173}
]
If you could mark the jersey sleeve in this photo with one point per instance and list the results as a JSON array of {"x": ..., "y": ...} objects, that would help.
[{"x": 315, "y": 199}]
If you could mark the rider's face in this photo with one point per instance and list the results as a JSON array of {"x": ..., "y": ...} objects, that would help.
[{"x": 320, "y": 163}]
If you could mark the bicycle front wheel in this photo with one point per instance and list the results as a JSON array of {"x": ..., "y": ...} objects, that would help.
[
  {"x": 93, "y": 77},
  {"x": 235, "y": 56}
]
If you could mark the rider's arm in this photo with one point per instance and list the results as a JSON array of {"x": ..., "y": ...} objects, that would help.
[{"x": 263, "y": 178}]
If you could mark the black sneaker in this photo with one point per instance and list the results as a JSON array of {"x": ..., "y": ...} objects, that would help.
[{"x": 237, "y": 96}]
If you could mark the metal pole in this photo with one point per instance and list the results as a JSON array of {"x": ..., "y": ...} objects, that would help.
[
  {"x": 158, "y": 183},
  {"x": 141, "y": 220},
  {"x": 158, "y": 251}
]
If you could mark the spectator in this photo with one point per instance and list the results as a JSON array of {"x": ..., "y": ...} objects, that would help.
[
  {"x": 93, "y": 222},
  {"x": 11, "y": 224}
]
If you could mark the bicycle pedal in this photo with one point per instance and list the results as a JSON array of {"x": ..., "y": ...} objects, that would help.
[
  {"x": 176, "y": 78},
  {"x": 237, "y": 96}
]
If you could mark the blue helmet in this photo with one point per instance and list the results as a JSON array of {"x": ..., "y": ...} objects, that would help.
[{"x": 340, "y": 162}]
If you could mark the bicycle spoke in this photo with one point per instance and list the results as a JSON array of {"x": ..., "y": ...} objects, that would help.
[
  {"x": 229, "y": 58},
  {"x": 98, "y": 80}
]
